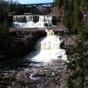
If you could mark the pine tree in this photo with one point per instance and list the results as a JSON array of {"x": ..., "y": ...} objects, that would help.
[
  {"x": 65, "y": 4},
  {"x": 68, "y": 15},
  {"x": 59, "y": 3},
  {"x": 84, "y": 5},
  {"x": 77, "y": 16},
  {"x": 86, "y": 27},
  {"x": 1, "y": 14},
  {"x": 66, "y": 21},
  {"x": 5, "y": 27},
  {"x": 76, "y": 3},
  {"x": 78, "y": 65},
  {"x": 77, "y": 19}
]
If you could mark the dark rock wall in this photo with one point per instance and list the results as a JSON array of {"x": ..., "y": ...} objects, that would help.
[{"x": 23, "y": 42}]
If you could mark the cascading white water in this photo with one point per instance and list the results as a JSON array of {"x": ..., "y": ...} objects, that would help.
[
  {"x": 22, "y": 18},
  {"x": 48, "y": 49},
  {"x": 26, "y": 21},
  {"x": 48, "y": 19}
]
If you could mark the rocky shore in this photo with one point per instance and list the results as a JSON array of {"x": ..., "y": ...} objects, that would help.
[{"x": 36, "y": 75}]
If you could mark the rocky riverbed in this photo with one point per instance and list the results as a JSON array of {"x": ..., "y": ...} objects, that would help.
[{"x": 36, "y": 75}]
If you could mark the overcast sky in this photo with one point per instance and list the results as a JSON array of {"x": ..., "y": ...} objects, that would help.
[{"x": 33, "y": 1}]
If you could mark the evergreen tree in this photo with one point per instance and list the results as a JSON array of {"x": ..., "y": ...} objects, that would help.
[
  {"x": 78, "y": 65},
  {"x": 76, "y": 3},
  {"x": 18, "y": 9},
  {"x": 1, "y": 39},
  {"x": 5, "y": 27},
  {"x": 76, "y": 15},
  {"x": 72, "y": 16},
  {"x": 65, "y": 4},
  {"x": 86, "y": 27},
  {"x": 1, "y": 14},
  {"x": 59, "y": 3},
  {"x": 4, "y": 37},
  {"x": 12, "y": 7},
  {"x": 68, "y": 15},
  {"x": 66, "y": 21},
  {"x": 84, "y": 5},
  {"x": 77, "y": 19}
]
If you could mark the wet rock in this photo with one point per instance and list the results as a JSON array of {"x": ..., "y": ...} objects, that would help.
[
  {"x": 47, "y": 75},
  {"x": 23, "y": 41}
]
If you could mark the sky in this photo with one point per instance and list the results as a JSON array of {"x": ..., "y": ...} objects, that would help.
[{"x": 33, "y": 1}]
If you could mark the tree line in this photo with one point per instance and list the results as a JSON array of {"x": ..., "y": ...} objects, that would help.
[
  {"x": 4, "y": 29},
  {"x": 73, "y": 17},
  {"x": 73, "y": 20}
]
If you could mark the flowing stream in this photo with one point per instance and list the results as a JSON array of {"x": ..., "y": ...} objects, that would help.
[{"x": 48, "y": 49}]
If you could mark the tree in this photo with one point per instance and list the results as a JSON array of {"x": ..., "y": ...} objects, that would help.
[
  {"x": 76, "y": 15},
  {"x": 86, "y": 27},
  {"x": 4, "y": 37},
  {"x": 66, "y": 21},
  {"x": 84, "y": 5},
  {"x": 68, "y": 14},
  {"x": 58, "y": 3},
  {"x": 5, "y": 27},
  {"x": 46, "y": 10},
  {"x": 12, "y": 7},
  {"x": 19, "y": 9},
  {"x": 77, "y": 19},
  {"x": 76, "y": 3},
  {"x": 78, "y": 65},
  {"x": 1, "y": 13},
  {"x": 65, "y": 4}
]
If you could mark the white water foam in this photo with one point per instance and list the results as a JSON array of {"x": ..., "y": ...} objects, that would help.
[
  {"x": 43, "y": 20},
  {"x": 48, "y": 49}
]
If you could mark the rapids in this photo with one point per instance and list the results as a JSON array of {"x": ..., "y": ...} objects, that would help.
[{"x": 48, "y": 49}]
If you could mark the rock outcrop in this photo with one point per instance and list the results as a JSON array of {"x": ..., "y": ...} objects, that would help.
[
  {"x": 23, "y": 41},
  {"x": 36, "y": 75}
]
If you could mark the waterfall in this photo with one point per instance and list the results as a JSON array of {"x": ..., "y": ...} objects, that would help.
[
  {"x": 48, "y": 19},
  {"x": 27, "y": 21},
  {"x": 22, "y": 18},
  {"x": 48, "y": 49}
]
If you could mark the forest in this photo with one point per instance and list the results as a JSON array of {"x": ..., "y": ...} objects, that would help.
[{"x": 73, "y": 19}]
